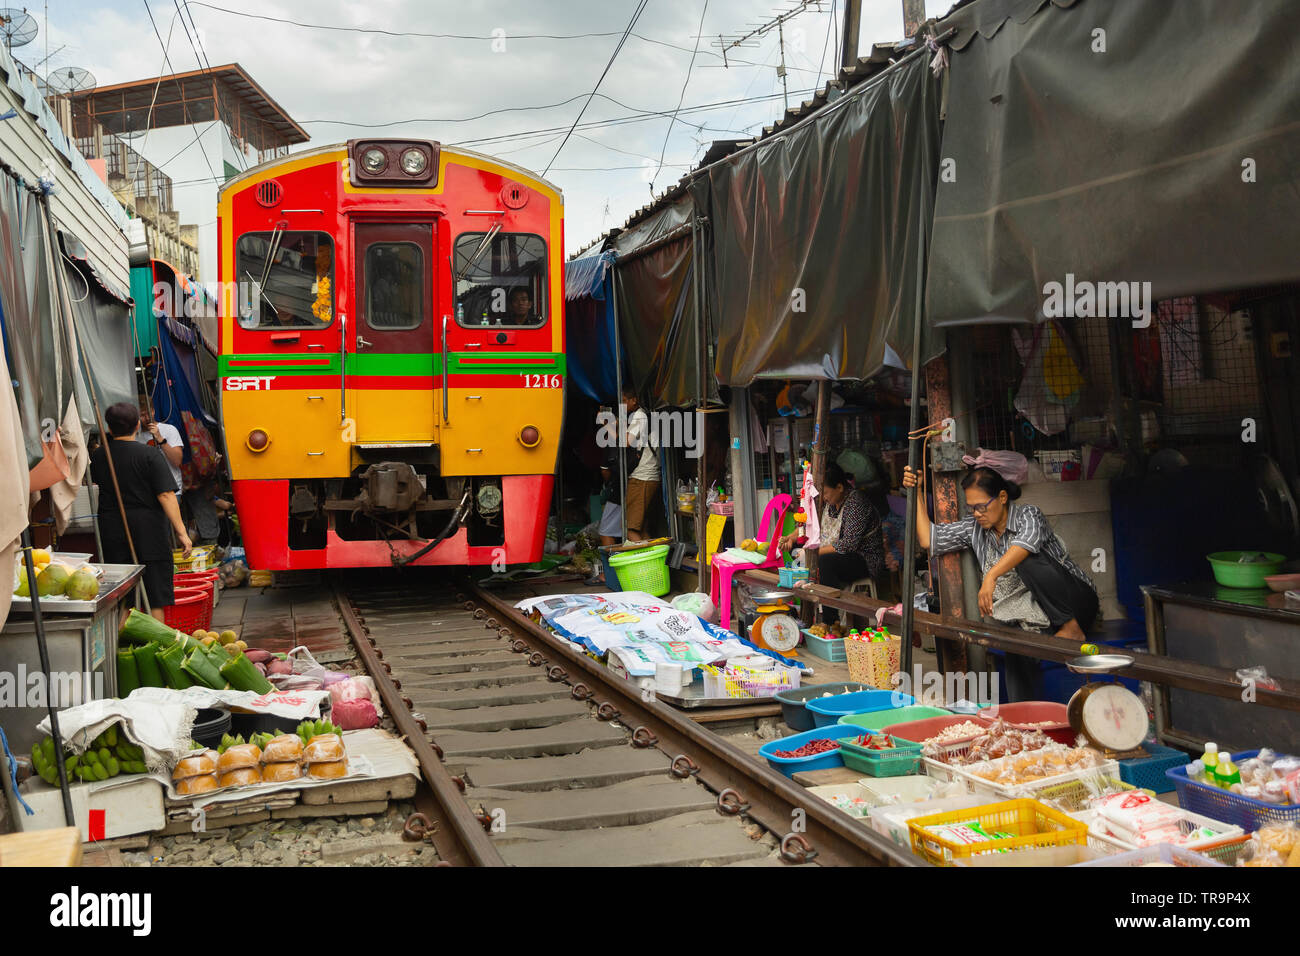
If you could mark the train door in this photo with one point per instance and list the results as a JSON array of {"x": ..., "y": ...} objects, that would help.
[{"x": 398, "y": 347}]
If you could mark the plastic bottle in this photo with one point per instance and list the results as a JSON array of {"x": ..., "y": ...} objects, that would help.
[
  {"x": 1226, "y": 772},
  {"x": 854, "y": 635},
  {"x": 1196, "y": 771},
  {"x": 1210, "y": 759}
]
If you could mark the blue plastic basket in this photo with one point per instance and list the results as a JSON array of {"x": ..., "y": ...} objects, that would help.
[
  {"x": 792, "y": 765},
  {"x": 1148, "y": 773},
  {"x": 1227, "y": 806},
  {"x": 827, "y": 710},
  {"x": 797, "y": 717},
  {"x": 611, "y": 576},
  {"x": 827, "y": 648}
]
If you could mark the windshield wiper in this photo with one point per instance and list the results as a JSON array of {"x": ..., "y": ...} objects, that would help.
[{"x": 478, "y": 253}]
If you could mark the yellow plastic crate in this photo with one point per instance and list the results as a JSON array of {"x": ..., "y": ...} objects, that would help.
[{"x": 1033, "y": 824}]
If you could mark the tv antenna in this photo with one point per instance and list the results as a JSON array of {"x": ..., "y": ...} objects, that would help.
[
  {"x": 777, "y": 23},
  {"x": 18, "y": 27}
]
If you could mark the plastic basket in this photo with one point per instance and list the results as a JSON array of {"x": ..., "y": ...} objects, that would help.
[
  {"x": 861, "y": 802},
  {"x": 880, "y": 719},
  {"x": 874, "y": 662},
  {"x": 788, "y": 577},
  {"x": 899, "y": 762},
  {"x": 891, "y": 820},
  {"x": 1162, "y": 853},
  {"x": 1245, "y": 812},
  {"x": 1226, "y": 852},
  {"x": 1148, "y": 773},
  {"x": 200, "y": 559},
  {"x": 1031, "y": 824},
  {"x": 1074, "y": 796},
  {"x": 747, "y": 682},
  {"x": 922, "y": 730},
  {"x": 1030, "y": 715},
  {"x": 792, "y": 765},
  {"x": 1188, "y": 822},
  {"x": 828, "y": 710},
  {"x": 191, "y": 611},
  {"x": 1108, "y": 769},
  {"x": 827, "y": 648},
  {"x": 645, "y": 569}
]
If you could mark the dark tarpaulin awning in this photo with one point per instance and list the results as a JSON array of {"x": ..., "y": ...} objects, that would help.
[
  {"x": 589, "y": 325},
  {"x": 817, "y": 234},
  {"x": 656, "y": 304},
  {"x": 1173, "y": 157},
  {"x": 103, "y": 325}
]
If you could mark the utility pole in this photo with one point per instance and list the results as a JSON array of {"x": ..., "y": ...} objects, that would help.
[{"x": 852, "y": 27}]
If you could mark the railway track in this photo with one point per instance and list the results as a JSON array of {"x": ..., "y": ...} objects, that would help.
[{"x": 535, "y": 754}]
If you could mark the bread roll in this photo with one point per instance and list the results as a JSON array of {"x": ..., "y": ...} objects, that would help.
[
  {"x": 238, "y": 757},
  {"x": 194, "y": 766},
  {"x": 328, "y": 771},
  {"x": 281, "y": 772},
  {"x": 243, "y": 777},
  {"x": 195, "y": 785},
  {"x": 324, "y": 748},
  {"x": 283, "y": 749}
]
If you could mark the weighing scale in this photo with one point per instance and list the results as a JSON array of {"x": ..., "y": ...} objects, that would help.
[
  {"x": 773, "y": 627},
  {"x": 1108, "y": 714}
]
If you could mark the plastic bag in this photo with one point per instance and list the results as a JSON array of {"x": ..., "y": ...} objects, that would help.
[
  {"x": 697, "y": 603},
  {"x": 357, "y": 714},
  {"x": 1011, "y": 465}
]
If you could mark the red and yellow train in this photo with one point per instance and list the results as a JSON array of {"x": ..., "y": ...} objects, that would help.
[{"x": 392, "y": 356}]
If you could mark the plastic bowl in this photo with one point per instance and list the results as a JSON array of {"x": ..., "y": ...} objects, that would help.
[
  {"x": 827, "y": 710},
  {"x": 793, "y": 711},
  {"x": 1052, "y": 718},
  {"x": 1282, "y": 582},
  {"x": 1232, "y": 573},
  {"x": 824, "y": 761}
]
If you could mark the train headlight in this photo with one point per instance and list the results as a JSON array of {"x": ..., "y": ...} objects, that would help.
[
  {"x": 414, "y": 162},
  {"x": 374, "y": 161},
  {"x": 530, "y": 436},
  {"x": 257, "y": 440}
]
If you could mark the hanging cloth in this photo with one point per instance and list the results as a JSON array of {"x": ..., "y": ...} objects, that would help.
[{"x": 808, "y": 504}]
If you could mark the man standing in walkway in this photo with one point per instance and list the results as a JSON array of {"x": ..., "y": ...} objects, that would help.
[
  {"x": 643, "y": 483},
  {"x": 166, "y": 438}
]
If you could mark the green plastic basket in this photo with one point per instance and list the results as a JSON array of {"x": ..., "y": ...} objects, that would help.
[
  {"x": 645, "y": 570},
  {"x": 904, "y": 759},
  {"x": 879, "y": 719}
]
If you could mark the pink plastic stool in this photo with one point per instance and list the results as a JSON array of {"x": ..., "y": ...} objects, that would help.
[{"x": 723, "y": 570}]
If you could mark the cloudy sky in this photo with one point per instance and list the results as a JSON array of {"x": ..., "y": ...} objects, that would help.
[{"x": 531, "y": 80}]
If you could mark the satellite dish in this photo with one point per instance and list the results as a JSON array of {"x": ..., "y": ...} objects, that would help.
[
  {"x": 18, "y": 27},
  {"x": 70, "y": 79}
]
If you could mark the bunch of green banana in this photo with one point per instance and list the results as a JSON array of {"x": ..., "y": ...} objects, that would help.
[
  {"x": 314, "y": 728},
  {"x": 264, "y": 738},
  {"x": 228, "y": 741},
  {"x": 108, "y": 755}
]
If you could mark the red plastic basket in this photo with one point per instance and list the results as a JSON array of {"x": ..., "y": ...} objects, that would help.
[
  {"x": 1050, "y": 717},
  {"x": 922, "y": 730},
  {"x": 191, "y": 611}
]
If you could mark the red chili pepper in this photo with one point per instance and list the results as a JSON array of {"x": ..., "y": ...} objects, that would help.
[{"x": 809, "y": 749}]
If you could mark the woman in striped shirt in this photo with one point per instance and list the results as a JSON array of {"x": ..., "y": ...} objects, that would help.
[{"x": 1029, "y": 579}]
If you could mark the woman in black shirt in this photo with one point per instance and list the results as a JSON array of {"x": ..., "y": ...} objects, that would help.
[{"x": 149, "y": 497}]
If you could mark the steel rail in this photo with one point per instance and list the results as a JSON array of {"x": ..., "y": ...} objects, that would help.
[
  {"x": 780, "y": 806},
  {"x": 455, "y": 832}
]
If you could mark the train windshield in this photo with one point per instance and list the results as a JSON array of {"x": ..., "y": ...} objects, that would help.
[
  {"x": 500, "y": 280},
  {"x": 286, "y": 279}
]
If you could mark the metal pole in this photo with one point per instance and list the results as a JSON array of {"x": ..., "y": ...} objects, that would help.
[
  {"x": 38, "y": 622},
  {"x": 817, "y": 461},
  {"x": 913, "y": 457},
  {"x": 618, "y": 406},
  {"x": 852, "y": 27},
  {"x": 701, "y": 522}
]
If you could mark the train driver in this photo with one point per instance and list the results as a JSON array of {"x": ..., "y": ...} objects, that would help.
[{"x": 520, "y": 307}]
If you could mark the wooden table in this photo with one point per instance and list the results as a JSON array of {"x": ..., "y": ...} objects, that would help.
[{"x": 61, "y": 847}]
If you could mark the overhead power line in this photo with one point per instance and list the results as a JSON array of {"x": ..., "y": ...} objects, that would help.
[
  {"x": 636, "y": 15},
  {"x": 681, "y": 96}
]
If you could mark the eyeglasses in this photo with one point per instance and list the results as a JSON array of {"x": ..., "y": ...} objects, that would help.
[{"x": 981, "y": 508}]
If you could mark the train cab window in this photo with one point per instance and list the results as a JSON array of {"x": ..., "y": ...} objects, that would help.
[
  {"x": 286, "y": 279},
  {"x": 394, "y": 285},
  {"x": 500, "y": 280}
]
